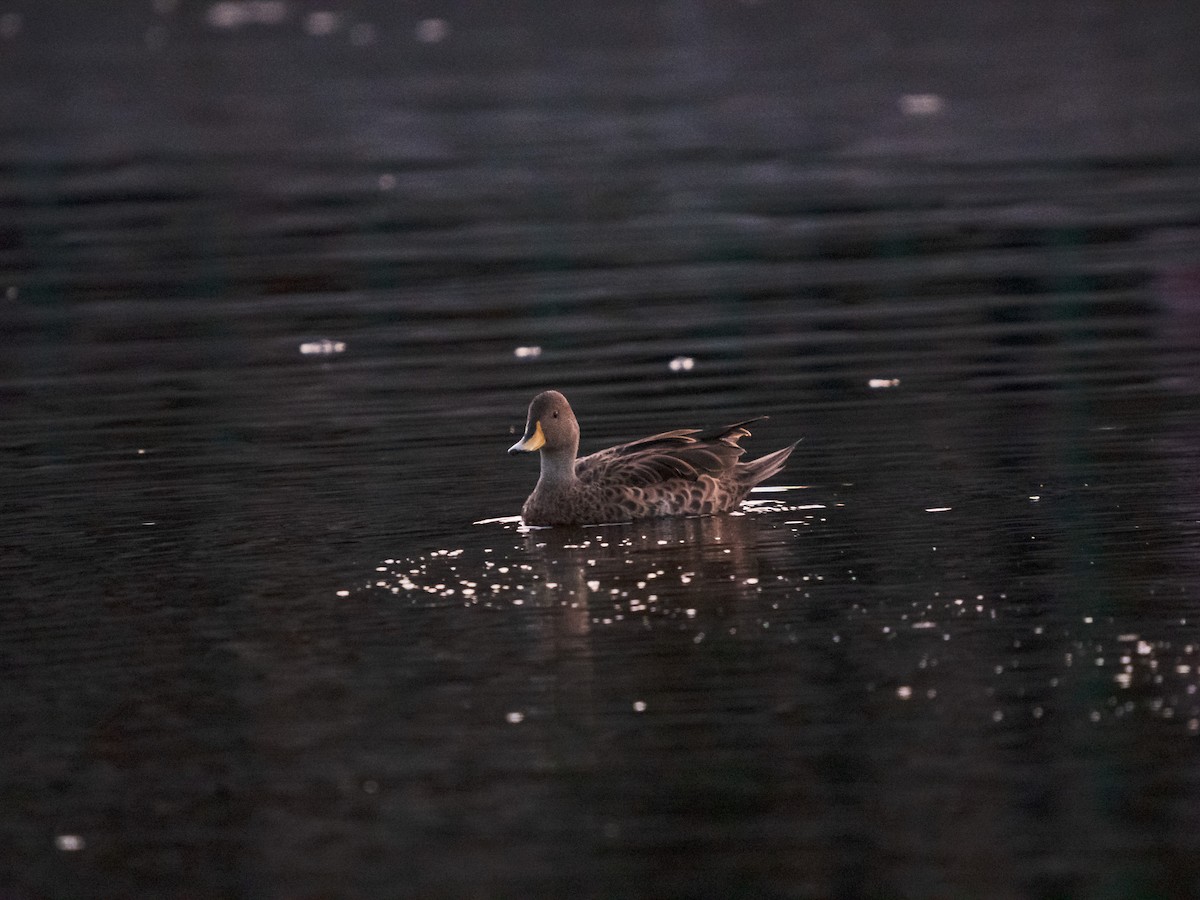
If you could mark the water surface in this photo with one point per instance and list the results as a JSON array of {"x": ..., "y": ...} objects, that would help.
[{"x": 276, "y": 295}]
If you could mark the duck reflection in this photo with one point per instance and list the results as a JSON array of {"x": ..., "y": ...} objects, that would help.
[{"x": 684, "y": 569}]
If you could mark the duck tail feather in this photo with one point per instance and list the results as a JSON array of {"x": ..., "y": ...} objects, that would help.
[{"x": 759, "y": 470}]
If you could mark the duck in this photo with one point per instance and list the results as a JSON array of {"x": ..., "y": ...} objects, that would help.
[{"x": 685, "y": 472}]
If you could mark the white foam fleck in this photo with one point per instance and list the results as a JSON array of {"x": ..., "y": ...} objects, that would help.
[
  {"x": 921, "y": 104},
  {"x": 323, "y": 347},
  {"x": 322, "y": 22},
  {"x": 225, "y": 15},
  {"x": 432, "y": 31}
]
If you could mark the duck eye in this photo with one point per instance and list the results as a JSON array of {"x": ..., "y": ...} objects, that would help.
[{"x": 556, "y": 414}]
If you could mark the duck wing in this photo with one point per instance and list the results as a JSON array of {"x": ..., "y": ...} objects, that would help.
[{"x": 685, "y": 453}]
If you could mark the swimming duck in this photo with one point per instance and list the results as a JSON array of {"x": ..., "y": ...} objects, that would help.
[{"x": 684, "y": 472}]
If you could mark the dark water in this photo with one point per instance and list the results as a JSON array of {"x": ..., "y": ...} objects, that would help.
[{"x": 275, "y": 296}]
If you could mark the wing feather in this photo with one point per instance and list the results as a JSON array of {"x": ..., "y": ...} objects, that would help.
[{"x": 685, "y": 453}]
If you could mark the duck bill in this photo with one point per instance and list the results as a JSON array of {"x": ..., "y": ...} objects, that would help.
[{"x": 534, "y": 440}]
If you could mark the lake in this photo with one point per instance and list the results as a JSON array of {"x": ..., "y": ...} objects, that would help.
[{"x": 277, "y": 284}]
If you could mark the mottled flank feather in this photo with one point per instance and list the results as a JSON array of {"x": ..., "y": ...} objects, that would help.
[{"x": 685, "y": 472}]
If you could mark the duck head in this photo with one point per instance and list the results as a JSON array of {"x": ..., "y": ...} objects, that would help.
[{"x": 551, "y": 428}]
